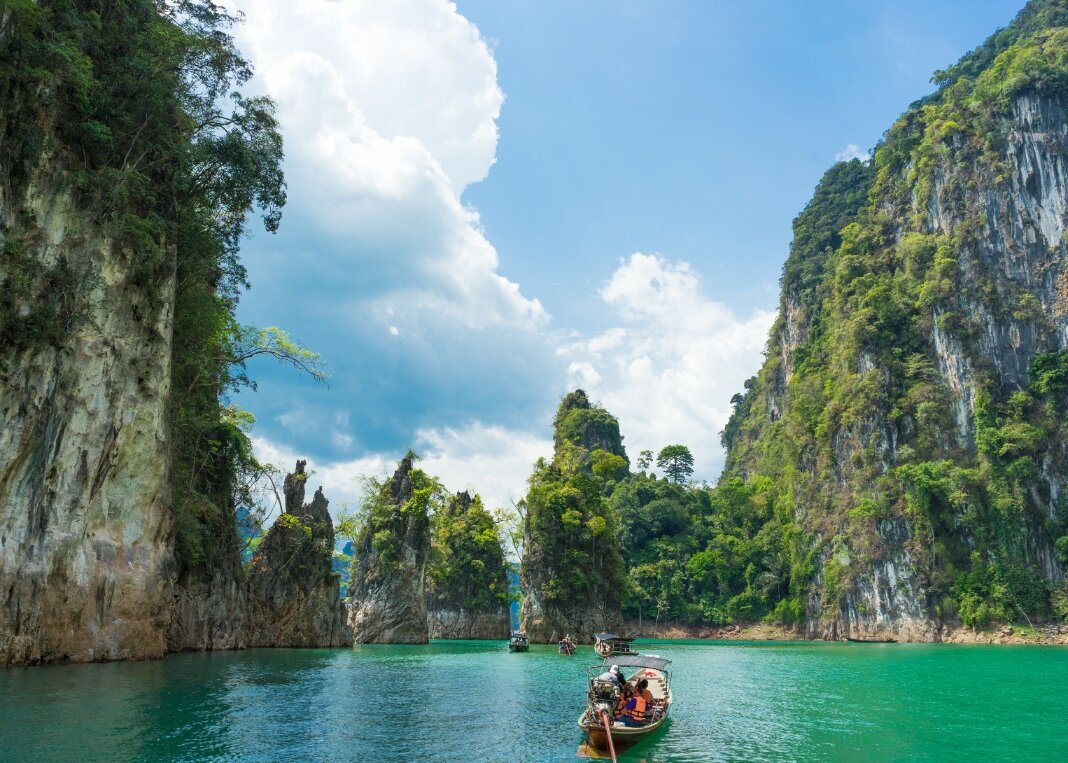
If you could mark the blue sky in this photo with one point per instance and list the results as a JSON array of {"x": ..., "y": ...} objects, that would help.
[{"x": 493, "y": 202}]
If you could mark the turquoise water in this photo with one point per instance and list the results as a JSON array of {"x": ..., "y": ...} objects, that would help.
[{"x": 466, "y": 701}]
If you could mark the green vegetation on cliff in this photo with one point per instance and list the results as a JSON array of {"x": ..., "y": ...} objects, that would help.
[
  {"x": 852, "y": 429},
  {"x": 467, "y": 569},
  {"x": 394, "y": 516},
  {"x": 571, "y": 552},
  {"x": 137, "y": 108}
]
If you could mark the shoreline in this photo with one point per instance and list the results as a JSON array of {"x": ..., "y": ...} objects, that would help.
[{"x": 1006, "y": 633}]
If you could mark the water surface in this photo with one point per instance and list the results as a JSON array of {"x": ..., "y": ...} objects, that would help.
[{"x": 465, "y": 701}]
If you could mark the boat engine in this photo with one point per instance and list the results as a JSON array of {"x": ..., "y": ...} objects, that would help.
[{"x": 603, "y": 696}]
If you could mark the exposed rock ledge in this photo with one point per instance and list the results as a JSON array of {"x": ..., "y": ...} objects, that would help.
[
  {"x": 293, "y": 592},
  {"x": 547, "y": 626},
  {"x": 388, "y": 596},
  {"x": 460, "y": 624}
]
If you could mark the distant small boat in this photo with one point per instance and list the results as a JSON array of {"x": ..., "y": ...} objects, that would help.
[
  {"x": 519, "y": 642},
  {"x": 603, "y": 696},
  {"x": 567, "y": 645},
  {"x": 871, "y": 640},
  {"x": 607, "y": 644}
]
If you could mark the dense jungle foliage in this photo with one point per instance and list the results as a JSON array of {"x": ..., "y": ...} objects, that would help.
[
  {"x": 411, "y": 515},
  {"x": 658, "y": 547},
  {"x": 137, "y": 106},
  {"x": 395, "y": 514},
  {"x": 848, "y": 430},
  {"x": 467, "y": 569},
  {"x": 571, "y": 550}
]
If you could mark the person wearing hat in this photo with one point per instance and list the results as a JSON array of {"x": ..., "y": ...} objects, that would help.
[{"x": 613, "y": 674}]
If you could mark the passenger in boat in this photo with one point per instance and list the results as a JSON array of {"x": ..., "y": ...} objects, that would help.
[
  {"x": 613, "y": 674},
  {"x": 643, "y": 689},
  {"x": 634, "y": 711},
  {"x": 624, "y": 697}
]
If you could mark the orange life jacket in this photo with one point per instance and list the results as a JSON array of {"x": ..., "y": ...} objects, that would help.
[
  {"x": 638, "y": 713},
  {"x": 648, "y": 695}
]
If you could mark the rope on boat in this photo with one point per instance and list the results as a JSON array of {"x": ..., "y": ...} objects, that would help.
[{"x": 608, "y": 733}]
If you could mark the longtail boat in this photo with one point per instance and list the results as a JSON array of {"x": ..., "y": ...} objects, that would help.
[
  {"x": 567, "y": 645},
  {"x": 603, "y": 696},
  {"x": 519, "y": 642}
]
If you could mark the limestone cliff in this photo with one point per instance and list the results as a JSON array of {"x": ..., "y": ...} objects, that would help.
[
  {"x": 85, "y": 558},
  {"x": 467, "y": 578},
  {"x": 128, "y": 169},
  {"x": 292, "y": 588},
  {"x": 387, "y": 598},
  {"x": 912, "y": 405},
  {"x": 572, "y": 572}
]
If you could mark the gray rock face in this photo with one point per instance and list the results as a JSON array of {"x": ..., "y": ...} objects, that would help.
[
  {"x": 210, "y": 602},
  {"x": 460, "y": 624},
  {"x": 293, "y": 592},
  {"x": 1020, "y": 251},
  {"x": 546, "y": 626},
  {"x": 387, "y": 596},
  {"x": 85, "y": 556},
  {"x": 1013, "y": 295},
  {"x": 209, "y": 612}
]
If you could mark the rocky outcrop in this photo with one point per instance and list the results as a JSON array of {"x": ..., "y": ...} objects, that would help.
[
  {"x": 85, "y": 559},
  {"x": 292, "y": 589},
  {"x": 1011, "y": 289},
  {"x": 387, "y": 598},
  {"x": 209, "y": 609},
  {"x": 467, "y": 578},
  {"x": 572, "y": 573},
  {"x": 546, "y": 625},
  {"x": 587, "y": 426},
  {"x": 911, "y": 407}
]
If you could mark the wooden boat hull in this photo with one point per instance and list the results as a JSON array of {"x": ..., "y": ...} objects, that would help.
[
  {"x": 622, "y": 736},
  {"x": 518, "y": 648},
  {"x": 871, "y": 640}
]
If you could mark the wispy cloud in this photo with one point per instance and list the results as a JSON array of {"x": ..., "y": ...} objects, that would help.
[{"x": 390, "y": 111}]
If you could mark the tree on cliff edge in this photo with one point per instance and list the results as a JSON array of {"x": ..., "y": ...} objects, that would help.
[{"x": 676, "y": 461}]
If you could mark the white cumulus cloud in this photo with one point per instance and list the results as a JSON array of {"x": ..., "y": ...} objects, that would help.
[
  {"x": 389, "y": 111},
  {"x": 850, "y": 152},
  {"x": 669, "y": 370}
]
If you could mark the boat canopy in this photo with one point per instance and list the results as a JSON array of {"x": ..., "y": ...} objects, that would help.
[
  {"x": 610, "y": 637},
  {"x": 639, "y": 661}
]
